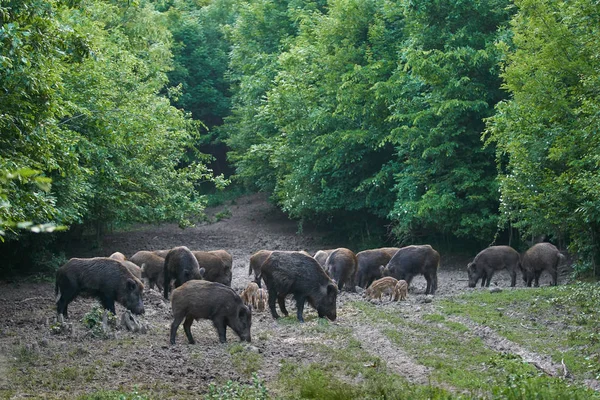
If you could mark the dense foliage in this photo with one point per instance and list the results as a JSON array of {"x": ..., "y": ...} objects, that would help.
[
  {"x": 547, "y": 133},
  {"x": 431, "y": 120}
]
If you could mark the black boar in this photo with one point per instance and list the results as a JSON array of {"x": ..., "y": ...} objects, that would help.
[
  {"x": 299, "y": 274},
  {"x": 494, "y": 258},
  {"x": 215, "y": 269},
  {"x": 341, "y": 265},
  {"x": 540, "y": 257},
  {"x": 256, "y": 261},
  {"x": 180, "y": 265},
  {"x": 209, "y": 300},
  {"x": 413, "y": 260},
  {"x": 152, "y": 267},
  {"x": 102, "y": 277},
  {"x": 369, "y": 262}
]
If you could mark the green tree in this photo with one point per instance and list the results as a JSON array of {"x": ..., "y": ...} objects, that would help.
[
  {"x": 547, "y": 133},
  {"x": 447, "y": 82}
]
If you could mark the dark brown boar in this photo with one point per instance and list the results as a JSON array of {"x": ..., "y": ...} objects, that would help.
[
  {"x": 490, "y": 260},
  {"x": 540, "y": 257},
  {"x": 180, "y": 265},
  {"x": 102, "y": 277},
  {"x": 341, "y": 265},
  {"x": 299, "y": 274},
  {"x": 369, "y": 262},
  {"x": 152, "y": 267},
  {"x": 215, "y": 269},
  {"x": 209, "y": 300},
  {"x": 225, "y": 256},
  {"x": 256, "y": 261},
  {"x": 413, "y": 260}
]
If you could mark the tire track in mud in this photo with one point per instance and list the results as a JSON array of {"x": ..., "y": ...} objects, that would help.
[
  {"x": 501, "y": 344},
  {"x": 498, "y": 343},
  {"x": 377, "y": 344}
]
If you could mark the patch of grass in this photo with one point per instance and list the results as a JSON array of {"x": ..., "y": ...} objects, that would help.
[
  {"x": 559, "y": 321},
  {"x": 234, "y": 390},
  {"x": 112, "y": 395},
  {"x": 25, "y": 355},
  {"x": 245, "y": 361},
  {"x": 228, "y": 195},
  {"x": 224, "y": 214},
  {"x": 92, "y": 320}
]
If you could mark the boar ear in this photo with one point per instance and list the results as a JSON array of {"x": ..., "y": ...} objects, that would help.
[
  {"x": 131, "y": 285},
  {"x": 202, "y": 272},
  {"x": 381, "y": 269},
  {"x": 244, "y": 312}
]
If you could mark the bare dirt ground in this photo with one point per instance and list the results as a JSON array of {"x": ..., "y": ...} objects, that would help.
[{"x": 36, "y": 363}]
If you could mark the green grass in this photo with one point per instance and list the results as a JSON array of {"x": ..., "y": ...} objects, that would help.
[
  {"x": 234, "y": 390},
  {"x": 460, "y": 360},
  {"x": 245, "y": 361},
  {"x": 558, "y": 321}
]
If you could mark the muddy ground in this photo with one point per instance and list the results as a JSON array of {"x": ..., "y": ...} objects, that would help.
[{"x": 37, "y": 363}]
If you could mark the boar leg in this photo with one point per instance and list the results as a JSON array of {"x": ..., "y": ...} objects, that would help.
[
  {"x": 272, "y": 300},
  {"x": 108, "y": 303},
  {"x": 428, "y": 289},
  {"x": 176, "y": 322},
  {"x": 166, "y": 283},
  {"x": 300, "y": 300},
  {"x": 555, "y": 277},
  {"x": 434, "y": 282},
  {"x": 281, "y": 301},
  {"x": 63, "y": 302},
  {"x": 187, "y": 327},
  {"x": 221, "y": 327},
  {"x": 488, "y": 279},
  {"x": 513, "y": 278}
]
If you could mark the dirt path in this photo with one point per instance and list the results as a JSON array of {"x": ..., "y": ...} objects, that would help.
[{"x": 43, "y": 362}]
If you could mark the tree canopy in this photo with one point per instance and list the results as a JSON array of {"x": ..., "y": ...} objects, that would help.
[{"x": 423, "y": 120}]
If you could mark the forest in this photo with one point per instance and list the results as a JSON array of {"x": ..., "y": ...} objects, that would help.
[{"x": 456, "y": 123}]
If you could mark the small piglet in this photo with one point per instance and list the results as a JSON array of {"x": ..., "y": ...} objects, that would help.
[{"x": 197, "y": 299}]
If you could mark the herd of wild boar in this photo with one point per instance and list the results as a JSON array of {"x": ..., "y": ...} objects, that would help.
[{"x": 199, "y": 282}]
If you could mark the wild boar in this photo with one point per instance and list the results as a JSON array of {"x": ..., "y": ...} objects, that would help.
[
  {"x": 262, "y": 298},
  {"x": 249, "y": 295},
  {"x": 413, "y": 260},
  {"x": 369, "y": 262},
  {"x": 380, "y": 286},
  {"x": 224, "y": 256},
  {"x": 152, "y": 267},
  {"x": 341, "y": 266},
  {"x": 400, "y": 290},
  {"x": 118, "y": 256},
  {"x": 321, "y": 257},
  {"x": 180, "y": 265},
  {"x": 209, "y": 300},
  {"x": 161, "y": 253},
  {"x": 494, "y": 258},
  {"x": 215, "y": 269},
  {"x": 257, "y": 259},
  {"x": 134, "y": 269},
  {"x": 299, "y": 274},
  {"x": 102, "y": 277},
  {"x": 540, "y": 257}
]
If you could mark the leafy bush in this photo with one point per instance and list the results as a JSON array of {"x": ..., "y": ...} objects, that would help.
[{"x": 93, "y": 320}]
